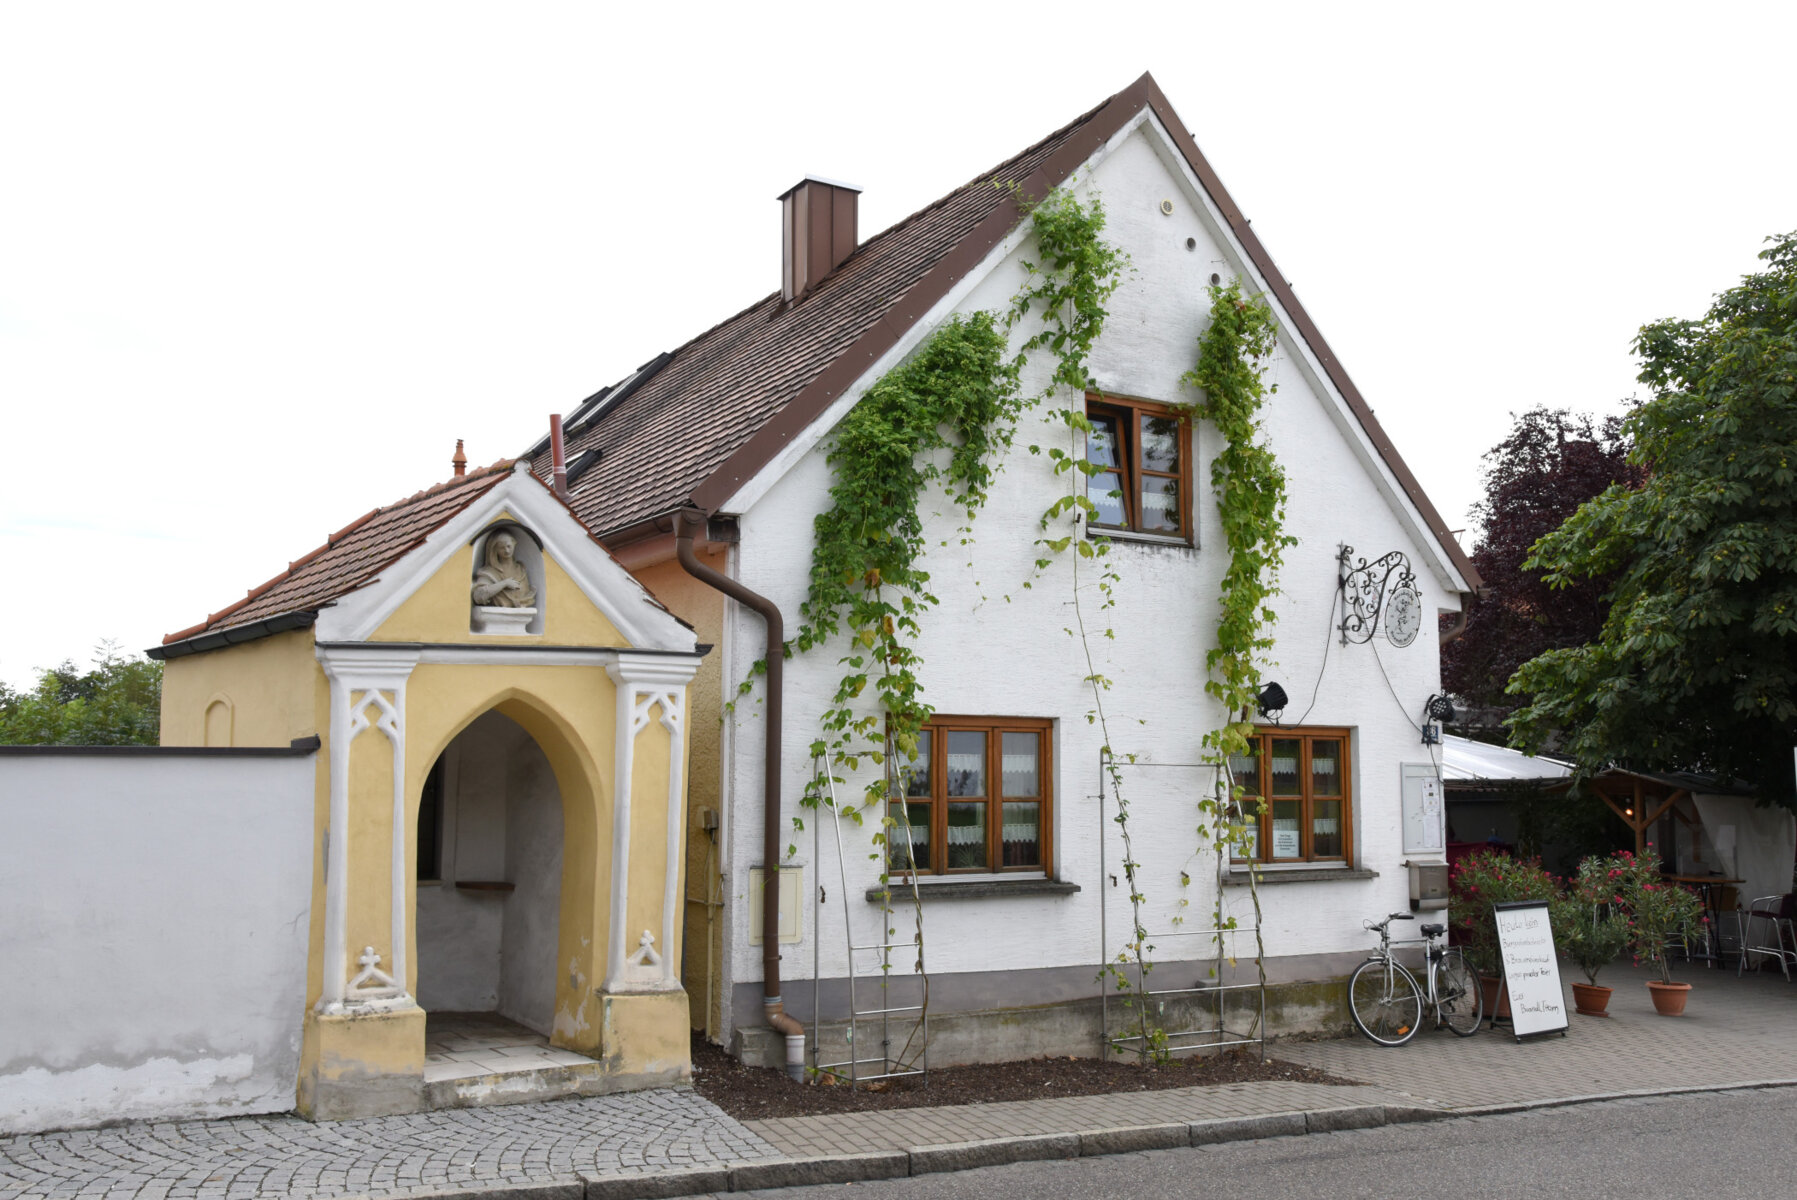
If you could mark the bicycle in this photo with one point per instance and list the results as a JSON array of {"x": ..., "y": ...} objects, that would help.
[{"x": 1387, "y": 1004}]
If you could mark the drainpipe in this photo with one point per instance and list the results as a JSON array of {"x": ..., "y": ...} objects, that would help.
[
  {"x": 1454, "y": 630},
  {"x": 770, "y": 826}
]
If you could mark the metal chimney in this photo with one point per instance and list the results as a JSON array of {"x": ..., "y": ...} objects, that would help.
[{"x": 817, "y": 222}]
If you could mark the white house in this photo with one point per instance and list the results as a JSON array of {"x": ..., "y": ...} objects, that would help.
[{"x": 1021, "y": 905}]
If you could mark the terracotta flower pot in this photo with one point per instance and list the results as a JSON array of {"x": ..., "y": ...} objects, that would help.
[
  {"x": 1496, "y": 994},
  {"x": 1591, "y": 998},
  {"x": 1669, "y": 998}
]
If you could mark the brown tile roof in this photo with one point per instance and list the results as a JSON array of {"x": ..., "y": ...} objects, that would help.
[
  {"x": 719, "y": 389},
  {"x": 722, "y": 406},
  {"x": 351, "y": 557}
]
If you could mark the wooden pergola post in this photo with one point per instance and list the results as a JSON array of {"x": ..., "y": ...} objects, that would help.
[{"x": 1635, "y": 815}]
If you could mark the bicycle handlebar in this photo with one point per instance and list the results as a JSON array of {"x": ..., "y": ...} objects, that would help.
[{"x": 1401, "y": 916}]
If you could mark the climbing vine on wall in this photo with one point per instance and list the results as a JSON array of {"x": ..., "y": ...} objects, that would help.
[
  {"x": 1249, "y": 485},
  {"x": 947, "y": 414}
]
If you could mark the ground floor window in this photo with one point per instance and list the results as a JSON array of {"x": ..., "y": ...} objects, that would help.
[
  {"x": 1301, "y": 779},
  {"x": 977, "y": 798}
]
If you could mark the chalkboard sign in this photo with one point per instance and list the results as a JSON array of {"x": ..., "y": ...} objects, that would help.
[{"x": 1531, "y": 970}]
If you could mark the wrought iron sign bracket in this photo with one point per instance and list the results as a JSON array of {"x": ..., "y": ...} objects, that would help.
[{"x": 1385, "y": 586}]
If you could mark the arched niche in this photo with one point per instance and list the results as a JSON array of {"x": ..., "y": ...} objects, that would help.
[
  {"x": 496, "y": 618},
  {"x": 218, "y": 721}
]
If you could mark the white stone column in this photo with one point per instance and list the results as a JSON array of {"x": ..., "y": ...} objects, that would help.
[
  {"x": 643, "y": 681},
  {"x": 368, "y": 690}
]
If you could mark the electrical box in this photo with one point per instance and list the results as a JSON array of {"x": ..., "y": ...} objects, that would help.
[
  {"x": 1428, "y": 886},
  {"x": 790, "y": 890},
  {"x": 1425, "y": 815}
]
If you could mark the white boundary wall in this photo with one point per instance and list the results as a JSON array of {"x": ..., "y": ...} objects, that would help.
[{"x": 153, "y": 934}]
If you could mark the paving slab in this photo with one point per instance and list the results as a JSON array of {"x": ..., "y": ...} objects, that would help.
[{"x": 1733, "y": 1031}]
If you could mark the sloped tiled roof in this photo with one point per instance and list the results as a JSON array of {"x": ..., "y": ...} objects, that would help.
[
  {"x": 719, "y": 389},
  {"x": 350, "y": 558},
  {"x": 699, "y": 422}
]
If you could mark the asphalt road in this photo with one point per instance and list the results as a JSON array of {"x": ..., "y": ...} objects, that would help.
[{"x": 1710, "y": 1145}]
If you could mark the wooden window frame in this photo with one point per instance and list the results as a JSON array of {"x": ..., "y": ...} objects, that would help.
[
  {"x": 1264, "y": 735},
  {"x": 994, "y": 728},
  {"x": 1131, "y": 411}
]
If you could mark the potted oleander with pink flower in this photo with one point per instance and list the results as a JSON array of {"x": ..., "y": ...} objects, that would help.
[{"x": 1658, "y": 911}]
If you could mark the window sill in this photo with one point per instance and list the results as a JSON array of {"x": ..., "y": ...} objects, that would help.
[
  {"x": 1267, "y": 875},
  {"x": 975, "y": 889},
  {"x": 1145, "y": 539}
]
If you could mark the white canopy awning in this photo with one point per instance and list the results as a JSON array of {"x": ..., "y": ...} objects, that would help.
[{"x": 1466, "y": 761}]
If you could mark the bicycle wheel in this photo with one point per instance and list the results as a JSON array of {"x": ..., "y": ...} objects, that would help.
[
  {"x": 1385, "y": 1002},
  {"x": 1457, "y": 999}
]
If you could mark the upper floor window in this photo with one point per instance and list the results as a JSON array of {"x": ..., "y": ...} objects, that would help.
[
  {"x": 977, "y": 798},
  {"x": 1302, "y": 780},
  {"x": 1144, "y": 450}
]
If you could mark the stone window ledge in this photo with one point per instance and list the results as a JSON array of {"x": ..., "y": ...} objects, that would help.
[
  {"x": 1277, "y": 875},
  {"x": 1139, "y": 538},
  {"x": 976, "y": 889}
]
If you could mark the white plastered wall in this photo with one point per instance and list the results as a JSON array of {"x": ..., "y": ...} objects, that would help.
[
  {"x": 154, "y": 940},
  {"x": 1745, "y": 841},
  {"x": 995, "y": 647}
]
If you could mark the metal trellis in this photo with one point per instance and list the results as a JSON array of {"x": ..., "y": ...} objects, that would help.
[{"x": 910, "y": 1020}]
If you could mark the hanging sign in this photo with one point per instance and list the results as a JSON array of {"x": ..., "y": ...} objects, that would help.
[{"x": 1531, "y": 969}]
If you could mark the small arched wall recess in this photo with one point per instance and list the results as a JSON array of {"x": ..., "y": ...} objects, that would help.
[
  {"x": 219, "y": 720},
  {"x": 506, "y": 592}
]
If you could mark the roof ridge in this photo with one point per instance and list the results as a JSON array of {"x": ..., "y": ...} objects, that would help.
[
  {"x": 986, "y": 176},
  {"x": 902, "y": 223}
]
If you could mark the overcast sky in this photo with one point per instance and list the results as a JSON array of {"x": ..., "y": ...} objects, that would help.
[{"x": 261, "y": 265}]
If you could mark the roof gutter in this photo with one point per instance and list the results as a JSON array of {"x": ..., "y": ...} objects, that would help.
[
  {"x": 233, "y": 635},
  {"x": 685, "y": 522}
]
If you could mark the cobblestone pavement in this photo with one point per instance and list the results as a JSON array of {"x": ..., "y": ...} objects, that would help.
[
  {"x": 247, "y": 1158},
  {"x": 903, "y": 1128},
  {"x": 1733, "y": 1031}
]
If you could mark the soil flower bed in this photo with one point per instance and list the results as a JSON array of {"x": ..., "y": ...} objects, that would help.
[{"x": 748, "y": 1093}]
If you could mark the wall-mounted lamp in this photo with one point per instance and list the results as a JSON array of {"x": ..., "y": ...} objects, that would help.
[
  {"x": 1271, "y": 702},
  {"x": 1436, "y": 710}
]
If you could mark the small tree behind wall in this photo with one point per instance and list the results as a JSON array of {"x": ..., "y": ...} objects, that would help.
[{"x": 117, "y": 703}]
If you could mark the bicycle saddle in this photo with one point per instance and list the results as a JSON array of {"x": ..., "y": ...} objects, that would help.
[{"x": 1434, "y": 930}]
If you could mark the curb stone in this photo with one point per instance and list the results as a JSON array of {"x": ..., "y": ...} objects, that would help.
[
  {"x": 964, "y": 1156},
  {"x": 692, "y": 1181},
  {"x": 1131, "y": 1138},
  {"x": 567, "y": 1189},
  {"x": 1244, "y": 1129},
  {"x": 1334, "y": 1120},
  {"x": 830, "y": 1168}
]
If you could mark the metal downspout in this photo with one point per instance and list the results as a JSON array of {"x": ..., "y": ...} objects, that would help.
[{"x": 775, "y": 657}]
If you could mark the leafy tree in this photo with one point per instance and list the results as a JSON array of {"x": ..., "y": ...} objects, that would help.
[
  {"x": 118, "y": 703},
  {"x": 1696, "y": 664},
  {"x": 1552, "y": 461}
]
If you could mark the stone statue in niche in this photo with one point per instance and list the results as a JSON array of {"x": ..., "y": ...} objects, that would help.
[
  {"x": 502, "y": 583},
  {"x": 504, "y": 600}
]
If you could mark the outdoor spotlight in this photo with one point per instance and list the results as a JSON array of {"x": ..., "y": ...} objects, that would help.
[{"x": 1271, "y": 701}]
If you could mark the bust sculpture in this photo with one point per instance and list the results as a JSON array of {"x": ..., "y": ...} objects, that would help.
[{"x": 502, "y": 583}]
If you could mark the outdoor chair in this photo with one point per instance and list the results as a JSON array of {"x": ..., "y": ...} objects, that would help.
[{"x": 1769, "y": 929}]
